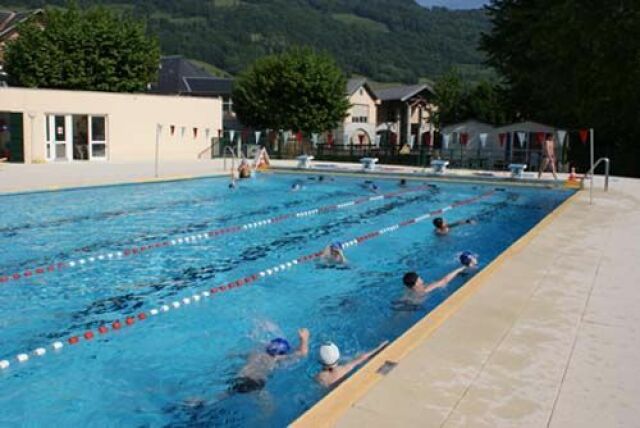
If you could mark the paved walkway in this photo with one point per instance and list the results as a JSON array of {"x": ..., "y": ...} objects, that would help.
[{"x": 550, "y": 339}]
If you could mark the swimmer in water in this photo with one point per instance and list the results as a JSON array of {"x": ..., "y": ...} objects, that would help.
[
  {"x": 403, "y": 182},
  {"x": 443, "y": 228},
  {"x": 418, "y": 288},
  {"x": 333, "y": 253},
  {"x": 244, "y": 170},
  {"x": 370, "y": 185},
  {"x": 333, "y": 372},
  {"x": 253, "y": 376},
  {"x": 296, "y": 186}
]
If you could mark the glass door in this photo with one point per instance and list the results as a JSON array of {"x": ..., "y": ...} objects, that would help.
[
  {"x": 98, "y": 138},
  {"x": 80, "y": 134},
  {"x": 58, "y": 136}
]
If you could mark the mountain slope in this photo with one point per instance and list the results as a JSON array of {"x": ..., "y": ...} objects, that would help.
[{"x": 387, "y": 40}]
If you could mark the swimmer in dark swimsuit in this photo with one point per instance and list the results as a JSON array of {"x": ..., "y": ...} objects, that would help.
[
  {"x": 253, "y": 376},
  {"x": 333, "y": 372},
  {"x": 443, "y": 228}
]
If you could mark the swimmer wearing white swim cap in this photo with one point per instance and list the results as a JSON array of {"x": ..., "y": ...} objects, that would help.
[{"x": 333, "y": 372}]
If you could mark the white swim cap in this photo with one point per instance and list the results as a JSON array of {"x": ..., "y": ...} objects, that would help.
[{"x": 329, "y": 354}]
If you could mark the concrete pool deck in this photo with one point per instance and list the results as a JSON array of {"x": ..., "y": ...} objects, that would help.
[{"x": 542, "y": 337}]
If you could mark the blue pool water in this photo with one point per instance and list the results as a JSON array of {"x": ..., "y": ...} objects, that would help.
[{"x": 152, "y": 373}]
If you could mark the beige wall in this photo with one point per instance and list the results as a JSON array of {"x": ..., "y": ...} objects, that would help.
[
  {"x": 363, "y": 99},
  {"x": 131, "y": 121}
]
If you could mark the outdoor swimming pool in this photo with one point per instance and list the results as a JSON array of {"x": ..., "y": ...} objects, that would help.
[{"x": 75, "y": 261}]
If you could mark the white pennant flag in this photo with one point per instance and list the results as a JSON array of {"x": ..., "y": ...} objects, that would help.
[
  {"x": 257, "y": 134},
  {"x": 378, "y": 138},
  {"x": 207, "y": 132},
  {"x": 182, "y": 131},
  {"x": 522, "y": 138},
  {"x": 412, "y": 141},
  {"x": 232, "y": 134},
  {"x": 483, "y": 140},
  {"x": 285, "y": 136},
  {"x": 314, "y": 138},
  {"x": 445, "y": 141},
  {"x": 561, "y": 135}
]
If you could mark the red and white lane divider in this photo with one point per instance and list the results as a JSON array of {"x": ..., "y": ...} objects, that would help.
[
  {"x": 116, "y": 325},
  {"x": 129, "y": 252}
]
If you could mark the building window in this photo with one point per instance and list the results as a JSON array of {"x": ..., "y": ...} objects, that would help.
[{"x": 360, "y": 113}]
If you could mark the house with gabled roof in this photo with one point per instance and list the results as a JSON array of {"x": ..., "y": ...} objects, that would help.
[
  {"x": 9, "y": 23},
  {"x": 359, "y": 125},
  {"x": 405, "y": 115}
]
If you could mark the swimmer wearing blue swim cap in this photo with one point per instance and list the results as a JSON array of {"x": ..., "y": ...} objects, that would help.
[
  {"x": 334, "y": 253},
  {"x": 468, "y": 259},
  {"x": 253, "y": 376}
]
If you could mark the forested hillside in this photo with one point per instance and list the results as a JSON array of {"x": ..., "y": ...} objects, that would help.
[{"x": 386, "y": 40}]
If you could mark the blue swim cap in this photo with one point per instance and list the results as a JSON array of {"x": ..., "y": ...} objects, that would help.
[
  {"x": 278, "y": 346},
  {"x": 467, "y": 257},
  {"x": 337, "y": 245}
]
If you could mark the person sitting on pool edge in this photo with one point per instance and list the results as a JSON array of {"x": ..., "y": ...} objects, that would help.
[
  {"x": 253, "y": 376},
  {"x": 417, "y": 286},
  {"x": 332, "y": 372},
  {"x": 442, "y": 227},
  {"x": 244, "y": 170},
  {"x": 333, "y": 253}
]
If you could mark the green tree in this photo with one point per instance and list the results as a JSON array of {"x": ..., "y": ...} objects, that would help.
[
  {"x": 574, "y": 64},
  {"x": 295, "y": 90},
  {"x": 89, "y": 50},
  {"x": 451, "y": 95}
]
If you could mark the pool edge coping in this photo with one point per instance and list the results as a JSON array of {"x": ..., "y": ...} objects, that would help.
[{"x": 336, "y": 403}]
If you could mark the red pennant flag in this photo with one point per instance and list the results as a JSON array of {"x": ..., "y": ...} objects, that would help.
[
  {"x": 330, "y": 138},
  {"x": 503, "y": 138},
  {"x": 195, "y": 132},
  {"x": 540, "y": 137},
  {"x": 173, "y": 129},
  {"x": 427, "y": 139},
  {"x": 464, "y": 138},
  {"x": 299, "y": 136},
  {"x": 584, "y": 135}
]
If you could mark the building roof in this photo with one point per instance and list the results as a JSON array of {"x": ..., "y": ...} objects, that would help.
[
  {"x": 9, "y": 20},
  {"x": 171, "y": 77},
  {"x": 471, "y": 125},
  {"x": 214, "y": 86},
  {"x": 403, "y": 93},
  {"x": 356, "y": 83},
  {"x": 527, "y": 126}
]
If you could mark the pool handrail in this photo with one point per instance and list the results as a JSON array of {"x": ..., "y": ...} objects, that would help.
[
  {"x": 233, "y": 158},
  {"x": 590, "y": 174}
]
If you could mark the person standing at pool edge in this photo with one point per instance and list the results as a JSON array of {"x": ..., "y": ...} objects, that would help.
[
  {"x": 253, "y": 376},
  {"x": 548, "y": 156}
]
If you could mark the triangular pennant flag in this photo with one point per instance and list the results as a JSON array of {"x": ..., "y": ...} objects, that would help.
[
  {"x": 412, "y": 141},
  {"x": 257, "y": 135},
  {"x": 540, "y": 137},
  {"x": 445, "y": 141},
  {"x": 502, "y": 137},
  {"x": 207, "y": 133},
  {"x": 173, "y": 129},
  {"x": 232, "y": 135},
  {"x": 522, "y": 138},
  {"x": 314, "y": 138},
  {"x": 378, "y": 138},
  {"x": 299, "y": 136},
  {"x": 483, "y": 139},
  {"x": 561, "y": 135},
  {"x": 584, "y": 135},
  {"x": 330, "y": 138},
  {"x": 183, "y": 130},
  {"x": 195, "y": 132},
  {"x": 286, "y": 135},
  {"x": 464, "y": 139}
]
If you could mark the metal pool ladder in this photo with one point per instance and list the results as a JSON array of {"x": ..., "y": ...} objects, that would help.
[
  {"x": 607, "y": 163},
  {"x": 233, "y": 158}
]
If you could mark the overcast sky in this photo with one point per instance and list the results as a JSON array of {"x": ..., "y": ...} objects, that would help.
[{"x": 454, "y": 4}]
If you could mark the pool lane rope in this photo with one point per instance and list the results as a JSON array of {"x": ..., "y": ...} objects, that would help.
[
  {"x": 132, "y": 251},
  {"x": 129, "y": 321}
]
